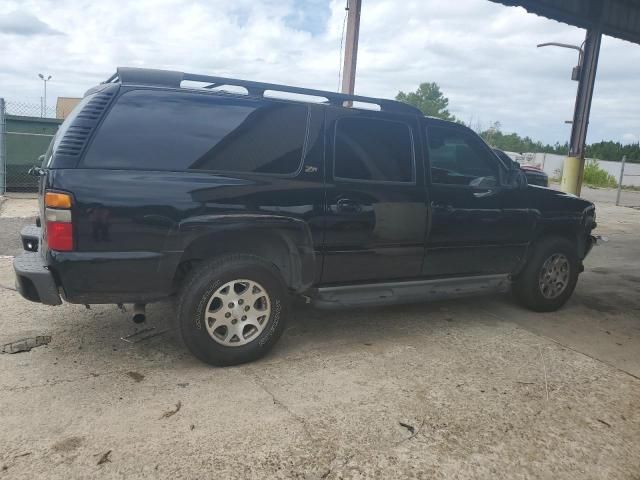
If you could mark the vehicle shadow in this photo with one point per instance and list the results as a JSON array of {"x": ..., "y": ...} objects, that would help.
[
  {"x": 103, "y": 339},
  {"x": 310, "y": 328}
]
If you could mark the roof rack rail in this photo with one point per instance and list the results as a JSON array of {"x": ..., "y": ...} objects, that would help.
[{"x": 173, "y": 79}]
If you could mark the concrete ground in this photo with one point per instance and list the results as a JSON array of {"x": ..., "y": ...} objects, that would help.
[
  {"x": 474, "y": 388},
  {"x": 628, "y": 198}
]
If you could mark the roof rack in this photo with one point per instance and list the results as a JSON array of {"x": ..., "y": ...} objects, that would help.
[{"x": 173, "y": 79}]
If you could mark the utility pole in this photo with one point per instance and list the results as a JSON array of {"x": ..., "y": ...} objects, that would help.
[
  {"x": 574, "y": 164},
  {"x": 585, "y": 74},
  {"x": 351, "y": 46}
]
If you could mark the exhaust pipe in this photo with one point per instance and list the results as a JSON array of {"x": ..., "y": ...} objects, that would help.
[{"x": 139, "y": 313}]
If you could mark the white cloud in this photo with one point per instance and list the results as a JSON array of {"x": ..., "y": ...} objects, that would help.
[
  {"x": 482, "y": 54},
  {"x": 24, "y": 23}
]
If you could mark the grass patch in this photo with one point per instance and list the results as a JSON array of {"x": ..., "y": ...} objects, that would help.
[{"x": 596, "y": 176}]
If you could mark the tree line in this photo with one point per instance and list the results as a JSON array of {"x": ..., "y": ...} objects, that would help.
[{"x": 430, "y": 100}]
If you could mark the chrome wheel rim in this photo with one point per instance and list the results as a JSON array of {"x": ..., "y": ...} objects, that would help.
[
  {"x": 554, "y": 276},
  {"x": 237, "y": 312}
]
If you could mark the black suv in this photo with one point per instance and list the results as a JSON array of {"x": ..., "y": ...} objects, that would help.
[{"x": 237, "y": 202}]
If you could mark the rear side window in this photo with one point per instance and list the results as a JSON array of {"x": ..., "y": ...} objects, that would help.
[
  {"x": 158, "y": 130},
  {"x": 63, "y": 129},
  {"x": 373, "y": 150}
]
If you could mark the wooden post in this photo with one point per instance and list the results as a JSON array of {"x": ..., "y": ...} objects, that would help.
[
  {"x": 351, "y": 47},
  {"x": 624, "y": 159}
]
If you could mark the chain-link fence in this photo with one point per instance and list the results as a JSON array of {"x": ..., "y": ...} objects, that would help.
[
  {"x": 628, "y": 184},
  {"x": 30, "y": 109},
  {"x": 26, "y": 129}
]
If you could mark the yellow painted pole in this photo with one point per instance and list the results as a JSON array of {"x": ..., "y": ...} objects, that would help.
[
  {"x": 570, "y": 182},
  {"x": 574, "y": 164}
]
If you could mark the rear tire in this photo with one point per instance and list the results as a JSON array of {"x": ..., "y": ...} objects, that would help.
[
  {"x": 550, "y": 276},
  {"x": 232, "y": 310}
]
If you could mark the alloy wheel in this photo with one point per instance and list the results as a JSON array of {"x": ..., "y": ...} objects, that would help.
[
  {"x": 237, "y": 312},
  {"x": 554, "y": 276}
]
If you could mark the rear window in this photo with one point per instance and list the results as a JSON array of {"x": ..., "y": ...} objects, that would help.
[{"x": 159, "y": 130}]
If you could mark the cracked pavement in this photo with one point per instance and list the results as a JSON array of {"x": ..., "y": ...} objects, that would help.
[{"x": 491, "y": 390}]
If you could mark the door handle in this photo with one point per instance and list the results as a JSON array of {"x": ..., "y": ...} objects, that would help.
[
  {"x": 346, "y": 205},
  {"x": 485, "y": 193}
]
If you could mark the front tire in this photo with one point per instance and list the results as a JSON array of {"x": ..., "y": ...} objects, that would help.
[
  {"x": 232, "y": 310},
  {"x": 550, "y": 276}
]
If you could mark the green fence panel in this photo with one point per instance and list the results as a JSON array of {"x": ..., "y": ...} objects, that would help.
[{"x": 26, "y": 139}]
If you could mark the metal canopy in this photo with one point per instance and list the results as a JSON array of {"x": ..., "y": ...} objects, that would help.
[
  {"x": 616, "y": 18},
  {"x": 619, "y": 18}
]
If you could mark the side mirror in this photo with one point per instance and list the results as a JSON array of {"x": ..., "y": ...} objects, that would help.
[
  {"x": 516, "y": 178},
  {"x": 36, "y": 171}
]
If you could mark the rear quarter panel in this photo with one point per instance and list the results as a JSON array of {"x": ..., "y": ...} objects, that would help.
[{"x": 131, "y": 228}]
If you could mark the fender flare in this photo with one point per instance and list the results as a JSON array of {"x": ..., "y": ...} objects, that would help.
[{"x": 285, "y": 241}]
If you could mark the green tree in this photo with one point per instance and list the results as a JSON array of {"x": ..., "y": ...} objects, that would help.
[
  {"x": 614, "y": 151},
  {"x": 429, "y": 99},
  {"x": 512, "y": 142}
]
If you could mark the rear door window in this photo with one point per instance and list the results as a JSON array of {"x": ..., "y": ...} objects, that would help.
[
  {"x": 373, "y": 150},
  {"x": 165, "y": 130}
]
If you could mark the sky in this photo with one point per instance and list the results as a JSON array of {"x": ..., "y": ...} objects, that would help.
[{"x": 482, "y": 54}]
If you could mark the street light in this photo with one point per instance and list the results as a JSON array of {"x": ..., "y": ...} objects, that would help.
[
  {"x": 585, "y": 74},
  {"x": 43, "y": 112},
  {"x": 575, "y": 74}
]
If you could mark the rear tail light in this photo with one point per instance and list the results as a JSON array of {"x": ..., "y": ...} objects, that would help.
[{"x": 58, "y": 221}]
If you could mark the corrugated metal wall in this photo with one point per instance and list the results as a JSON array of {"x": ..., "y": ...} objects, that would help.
[{"x": 621, "y": 18}]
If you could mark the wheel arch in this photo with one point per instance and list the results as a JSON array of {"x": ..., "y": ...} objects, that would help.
[
  {"x": 282, "y": 241},
  {"x": 577, "y": 235},
  {"x": 569, "y": 231}
]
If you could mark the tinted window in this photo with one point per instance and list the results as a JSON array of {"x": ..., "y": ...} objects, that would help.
[
  {"x": 460, "y": 158},
  {"x": 158, "y": 130},
  {"x": 372, "y": 149}
]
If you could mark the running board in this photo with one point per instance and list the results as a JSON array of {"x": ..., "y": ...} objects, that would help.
[{"x": 375, "y": 294}]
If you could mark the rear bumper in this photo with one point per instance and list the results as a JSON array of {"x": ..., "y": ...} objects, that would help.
[
  {"x": 91, "y": 277},
  {"x": 34, "y": 280},
  {"x": 30, "y": 235},
  {"x": 111, "y": 277}
]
